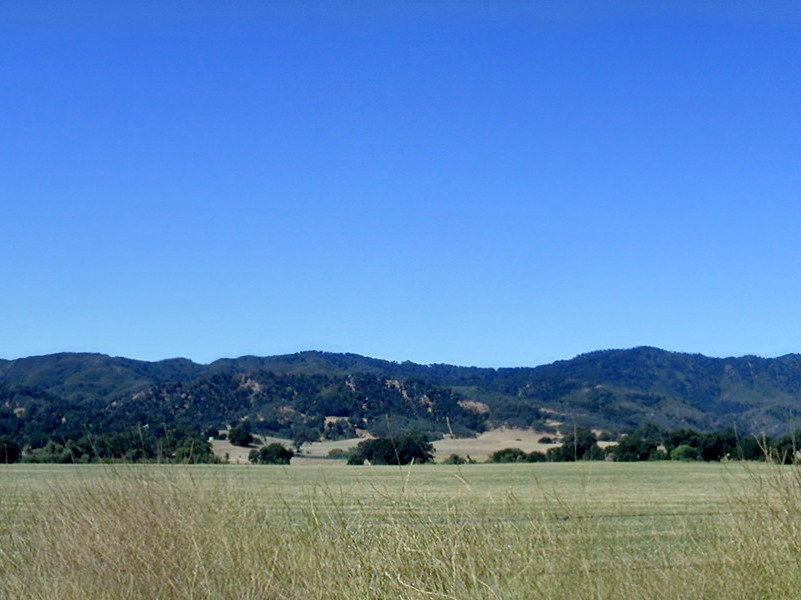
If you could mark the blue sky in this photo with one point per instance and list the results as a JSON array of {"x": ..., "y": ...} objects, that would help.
[{"x": 478, "y": 183}]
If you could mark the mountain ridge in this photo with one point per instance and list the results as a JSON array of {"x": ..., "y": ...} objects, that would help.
[{"x": 613, "y": 390}]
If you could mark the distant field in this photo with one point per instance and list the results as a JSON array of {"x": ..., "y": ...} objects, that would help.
[
  {"x": 478, "y": 448},
  {"x": 553, "y": 530},
  {"x": 485, "y": 444}
]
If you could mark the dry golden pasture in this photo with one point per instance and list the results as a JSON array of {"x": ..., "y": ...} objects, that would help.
[{"x": 478, "y": 448}]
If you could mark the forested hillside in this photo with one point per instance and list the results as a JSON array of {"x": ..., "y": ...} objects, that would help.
[{"x": 65, "y": 396}]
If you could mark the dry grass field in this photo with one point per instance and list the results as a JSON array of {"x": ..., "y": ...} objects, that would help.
[
  {"x": 488, "y": 442},
  {"x": 587, "y": 530},
  {"x": 478, "y": 448}
]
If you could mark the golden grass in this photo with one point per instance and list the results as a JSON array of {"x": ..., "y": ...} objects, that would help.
[
  {"x": 481, "y": 446},
  {"x": 660, "y": 530},
  {"x": 478, "y": 448}
]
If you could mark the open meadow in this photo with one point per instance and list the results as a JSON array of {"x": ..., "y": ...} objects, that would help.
[
  {"x": 478, "y": 447},
  {"x": 585, "y": 530}
]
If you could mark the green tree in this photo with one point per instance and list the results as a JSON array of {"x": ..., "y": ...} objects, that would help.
[
  {"x": 241, "y": 435},
  {"x": 400, "y": 450},
  {"x": 635, "y": 448},
  {"x": 536, "y": 456},
  {"x": 677, "y": 437},
  {"x": 685, "y": 452},
  {"x": 507, "y": 455},
  {"x": 752, "y": 448},
  {"x": 581, "y": 444},
  {"x": 303, "y": 435},
  {"x": 718, "y": 445},
  {"x": 193, "y": 449},
  {"x": 454, "y": 459},
  {"x": 414, "y": 447},
  {"x": 9, "y": 450},
  {"x": 272, "y": 454}
]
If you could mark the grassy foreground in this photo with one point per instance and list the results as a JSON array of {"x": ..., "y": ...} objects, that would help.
[{"x": 595, "y": 530}]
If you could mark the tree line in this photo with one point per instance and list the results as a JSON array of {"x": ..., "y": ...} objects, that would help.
[
  {"x": 175, "y": 445},
  {"x": 650, "y": 442},
  {"x": 139, "y": 444}
]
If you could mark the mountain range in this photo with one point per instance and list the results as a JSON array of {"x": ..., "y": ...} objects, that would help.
[{"x": 65, "y": 395}]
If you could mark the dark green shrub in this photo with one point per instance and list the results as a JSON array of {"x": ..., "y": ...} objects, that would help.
[
  {"x": 454, "y": 459},
  {"x": 536, "y": 457},
  {"x": 9, "y": 450},
  {"x": 272, "y": 454},
  {"x": 240, "y": 435},
  {"x": 400, "y": 450},
  {"x": 633, "y": 448},
  {"x": 685, "y": 452},
  {"x": 580, "y": 444},
  {"x": 507, "y": 455},
  {"x": 338, "y": 453}
]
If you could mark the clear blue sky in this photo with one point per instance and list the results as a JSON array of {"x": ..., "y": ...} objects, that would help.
[{"x": 478, "y": 183}]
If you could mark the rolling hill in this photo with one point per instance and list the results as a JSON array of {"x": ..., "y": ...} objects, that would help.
[{"x": 65, "y": 395}]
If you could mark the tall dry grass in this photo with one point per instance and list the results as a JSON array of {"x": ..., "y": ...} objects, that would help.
[{"x": 167, "y": 533}]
